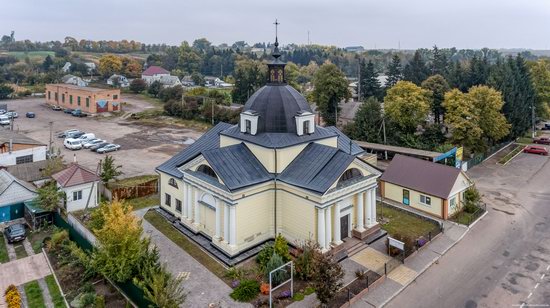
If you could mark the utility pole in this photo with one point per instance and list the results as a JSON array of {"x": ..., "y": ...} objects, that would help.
[
  {"x": 50, "y": 144},
  {"x": 384, "y": 130},
  {"x": 533, "y": 120},
  {"x": 359, "y": 81},
  {"x": 336, "y": 115}
]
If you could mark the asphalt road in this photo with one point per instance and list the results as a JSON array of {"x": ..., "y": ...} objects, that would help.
[{"x": 504, "y": 261}]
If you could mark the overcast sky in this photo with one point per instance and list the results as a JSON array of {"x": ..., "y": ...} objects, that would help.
[{"x": 380, "y": 24}]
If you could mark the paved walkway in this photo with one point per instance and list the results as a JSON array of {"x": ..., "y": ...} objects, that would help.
[
  {"x": 205, "y": 289},
  {"x": 21, "y": 271}
]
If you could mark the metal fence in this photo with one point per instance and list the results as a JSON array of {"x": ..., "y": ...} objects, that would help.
[
  {"x": 128, "y": 288},
  {"x": 479, "y": 158},
  {"x": 466, "y": 218}
]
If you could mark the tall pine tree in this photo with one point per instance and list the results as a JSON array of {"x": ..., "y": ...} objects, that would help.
[
  {"x": 370, "y": 86},
  {"x": 440, "y": 63},
  {"x": 395, "y": 71},
  {"x": 416, "y": 71}
]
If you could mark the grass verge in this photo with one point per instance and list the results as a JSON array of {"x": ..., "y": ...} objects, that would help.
[
  {"x": 525, "y": 140},
  {"x": 143, "y": 202},
  {"x": 4, "y": 257},
  {"x": 37, "y": 238},
  {"x": 400, "y": 223},
  {"x": 133, "y": 181},
  {"x": 20, "y": 250},
  {"x": 55, "y": 292},
  {"x": 34, "y": 295},
  {"x": 179, "y": 239},
  {"x": 511, "y": 155}
]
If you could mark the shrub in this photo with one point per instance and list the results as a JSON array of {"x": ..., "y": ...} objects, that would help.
[
  {"x": 246, "y": 291},
  {"x": 298, "y": 297},
  {"x": 361, "y": 274},
  {"x": 327, "y": 279},
  {"x": 309, "y": 290},
  {"x": 471, "y": 199},
  {"x": 99, "y": 301},
  {"x": 235, "y": 273},
  {"x": 264, "y": 255},
  {"x": 235, "y": 283},
  {"x": 281, "y": 248},
  {"x": 304, "y": 260},
  {"x": 138, "y": 85},
  {"x": 264, "y": 288},
  {"x": 58, "y": 238},
  {"x": 13, "y": 297},
  {"x": 278, "y": 276}
]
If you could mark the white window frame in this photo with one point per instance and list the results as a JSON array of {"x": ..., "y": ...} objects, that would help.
[
  {"x": 427, "y": 200},
  {"x": 77, "y": 195}
]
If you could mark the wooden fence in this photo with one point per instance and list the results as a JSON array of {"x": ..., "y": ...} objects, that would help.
[{"x": 128, "y": 192}]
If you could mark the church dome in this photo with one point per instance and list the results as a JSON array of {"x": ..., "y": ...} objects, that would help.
[{"x": 277, "y": 105}]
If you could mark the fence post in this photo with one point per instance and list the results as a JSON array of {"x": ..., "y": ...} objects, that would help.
[
  {"x": 349, "y": 296},
  {"x": 430, "y": 236},
  {"x": 385, "y": 269},
  {"x": 367, "y": 280}
]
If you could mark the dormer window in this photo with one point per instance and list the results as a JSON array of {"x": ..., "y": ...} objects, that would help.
[
  {"x": 249, "y": 122},
  {"x": 305, "y": 123}
]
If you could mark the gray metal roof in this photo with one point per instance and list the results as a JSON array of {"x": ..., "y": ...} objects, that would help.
[
  {"x": 236, "y": 166},
  {"x": 16, "y": 138},
  {"x": 316, "y": 168},
  {"x": 13, "y": 190},
  {"x": 277, "y": 105},
  {"x": 344, "y": 142},
  {"x": 279, "y": 140},
  {"x": 210, "y": 140},
  {"x": 29, "y": 172}
]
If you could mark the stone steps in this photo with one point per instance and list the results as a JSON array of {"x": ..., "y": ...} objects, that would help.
[{"x": 356, "y": 248}]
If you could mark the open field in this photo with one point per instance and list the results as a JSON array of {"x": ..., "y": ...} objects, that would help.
[
  {"x": 143, "y": 147},
  {"x": 21, "y": 55}
]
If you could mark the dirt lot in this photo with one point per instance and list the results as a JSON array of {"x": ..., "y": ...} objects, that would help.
[{"x": 142, "y": 147}]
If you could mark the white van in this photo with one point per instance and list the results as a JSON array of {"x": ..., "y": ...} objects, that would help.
[
  {"x": 4, "y": 120},
  {"x": 73, "y": 144},
  {"x": 84, "y": 138}
]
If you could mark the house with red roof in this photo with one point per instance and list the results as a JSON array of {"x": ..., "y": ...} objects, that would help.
[
  {"x": 154, "y": 73},
  {"x": 79, "y": 185}
]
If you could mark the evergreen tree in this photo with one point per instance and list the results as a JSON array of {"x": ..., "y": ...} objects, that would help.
[
  {"x": 438, "y": 86},
  {"x": 457, "y": 77},
  {"x": 367, "y": 120},
  {"x": 395, "y": 71},
  {"x": 440, "y": 63},
  {"x": 478, "y": 72},
  {"x": 48, "y": 62},
  {"x": 416, "y": 70},
  {"x": 330, "y": 88},
  {"x": 370, "y": 86}
]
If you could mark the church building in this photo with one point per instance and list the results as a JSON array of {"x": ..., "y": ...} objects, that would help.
[{"x": 275, "y": 172}]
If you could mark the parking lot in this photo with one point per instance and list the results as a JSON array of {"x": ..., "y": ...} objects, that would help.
[{"x": 142, "y": 147}]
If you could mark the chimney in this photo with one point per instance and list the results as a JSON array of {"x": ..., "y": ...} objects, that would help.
[{"x": 11, "y": 145}]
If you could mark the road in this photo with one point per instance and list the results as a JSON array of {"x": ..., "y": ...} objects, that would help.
[{"x": 504, "y": 260}]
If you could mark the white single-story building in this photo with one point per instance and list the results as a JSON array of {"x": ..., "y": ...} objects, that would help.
[
  {"x": 13, "y": 194},
  {"x": 118, "y": 80},
  {"x": 79, "y": 185},
  {"x": 16, "y": 149},
  {"x": 153, "y": 73}
]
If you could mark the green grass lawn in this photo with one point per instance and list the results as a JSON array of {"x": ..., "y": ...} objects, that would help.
[
  {"x": 509, "y": 156},
  {"x": 37, "y": 237},
  {"x": 4, "y": 257},
  {"x": 525, "y": 140},
  {"x": 143, "y": 202},
  {"x": 135, "y": 180},
  {"x": 34, "y": 295},
  {"x": 20, "y": 250},
  {"x": 401, "y": 223},
  {"x": 20, "y": 55},
  {"x": 179, "y": 239},
  {"x": 55, "y": 293}
]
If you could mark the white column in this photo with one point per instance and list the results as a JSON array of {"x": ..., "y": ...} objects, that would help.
[
  {"x": 369, "y": 207},
  {"x": 226, "y": 222},
  {"x": 374, "y": 206},
  {"x": 360, "y": 213},
  {"x": 321, "y": 227},
  {"x": 218, "y": 219},
  {"x": 337, "y": 235},
  {"x": 197, "y": 208},
  {"x": 328, "y": 230},
  {"x": 184, "y": 201},
  {"x": 232, "y": 226},
  {"x": 189, "y": 199}
]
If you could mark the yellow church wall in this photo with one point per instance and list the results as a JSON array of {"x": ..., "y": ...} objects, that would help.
[
  {"x": 331, "y": 142},
  {"x": 254, "y": 219},
  {"x": 286, "y": 155},
  {"x": 175, "y": 193},
  {"x": 297, "y": 217}
]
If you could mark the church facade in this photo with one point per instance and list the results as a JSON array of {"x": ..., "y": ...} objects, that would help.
[{"x": 275, "y": 172}]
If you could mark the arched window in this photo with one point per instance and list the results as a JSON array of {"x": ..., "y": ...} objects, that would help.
[
  {"x": 306, "y": 127},
  {"x": 172, "y": 182},
  {"x": 248, "y": 126},
  {"x": 208, "y": 171},
  {"x": 349, "y": 174}
]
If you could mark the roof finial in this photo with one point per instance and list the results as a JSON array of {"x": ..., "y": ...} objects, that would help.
[{"x": 276, "y": 53}]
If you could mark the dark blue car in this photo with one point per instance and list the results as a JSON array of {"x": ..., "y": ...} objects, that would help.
[
  {"x": 30, "y": 114},
  {"x": 15, "y": 233}
]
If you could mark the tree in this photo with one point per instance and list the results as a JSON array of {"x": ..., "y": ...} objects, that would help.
[
  {"x": 370, "y": 86},
  {"x": 120, "y": 244},
  {"x": 109, "y": 170},
  {"x": 49, "y": 196},
  {"x": 138, "y": 85},
  {"x": 188, "y": 59},
  {"x": 330, "y": 88},
  {"x": 131, "y": 67},
  {"x": 202, "y": 44},
  {"x": 367, "y": 121},
  {"x": 154, "y": 88},
  {"x": 440, "y": 63},
  {"x": 487, "y": 104},
  {"x": 462, "y": 120},
  {"x": 197, "y": 78},
  {"x": 109, "y": 65},
  {"x": 407, "y": 105},
  {"x": 438, "y": 87},
  {"x": 162, "y": 289},
  {"x": 48, "y": 62},
  {"x": 540, "y": 76},
  {"x": 416, "y": 70},
  {"x": 327, "y": 277},
  {"x": 5, "y": 91},
  {"x": 395, "y": 71},
  {"x": 249, "y": 76},
  {"x": 478, "y": 72}
]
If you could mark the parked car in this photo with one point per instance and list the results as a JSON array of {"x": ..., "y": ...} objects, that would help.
[
  {"x": 98, "y": 146},
  {"x": 79, "y": 113},
  {"x": 57, "y": 108},
  {"x": 67, "y": 110},
  {"x": 64, "y": 134},
  {"x": 542, "y": 140},
  {"x": 108, "y": 148},
  {"x": 15, "y": 233},
  {"x": 2, "y": 111},
  {"x": 11, "y": 114},
  {"x": 30, "y": 114},
  {"x": 74, "y": 135},
  {"x": 4, "y": 120},
  {"x": 535, "y": 149},
  {"x": 93, "y": 142},
  {"x": 72, "y": 144},
  {"x": 86, "y": 137}
]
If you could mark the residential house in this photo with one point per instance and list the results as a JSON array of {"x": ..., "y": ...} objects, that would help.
[
  {"x": 153, "y": 73},
  {"x": 169, "y": 81},
  {"x": 88, "y": 99},
  {"x": 187, "y": 81},
  {"x": 13, "y": 194},
  {"x": 275, "y": 172},
  {"x": 30, "y": 172},
  {"x": 91, "y": 66},
  {"x": 16, "y": 149},
  {"x": 66, "y": 67},
  {"x": 74, "y": 80},
  {"x": 215, "y": 82},
  {"x": 432, "y": 188},
  {"x": 354, "y": 49},
  {"x": 118, "y": 81},
  {"x": 79, "y": 185}
]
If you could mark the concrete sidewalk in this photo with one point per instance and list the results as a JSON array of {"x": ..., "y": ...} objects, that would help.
[
  {"x": 414, "y": 266},
  {"x": 21, "y": 271}
]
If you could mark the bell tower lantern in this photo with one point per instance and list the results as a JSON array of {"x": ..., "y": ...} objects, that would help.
[{"x": 276, "y": 68}]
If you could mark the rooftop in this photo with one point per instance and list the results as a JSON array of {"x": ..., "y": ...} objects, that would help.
[
  {"x": 75, "y": 87},
  {"x": 397, "y": 150},
  {"x": 75, "y": 175},
  {"x": 154, "y": 70},
  {"x": 16, "y": 138}
]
